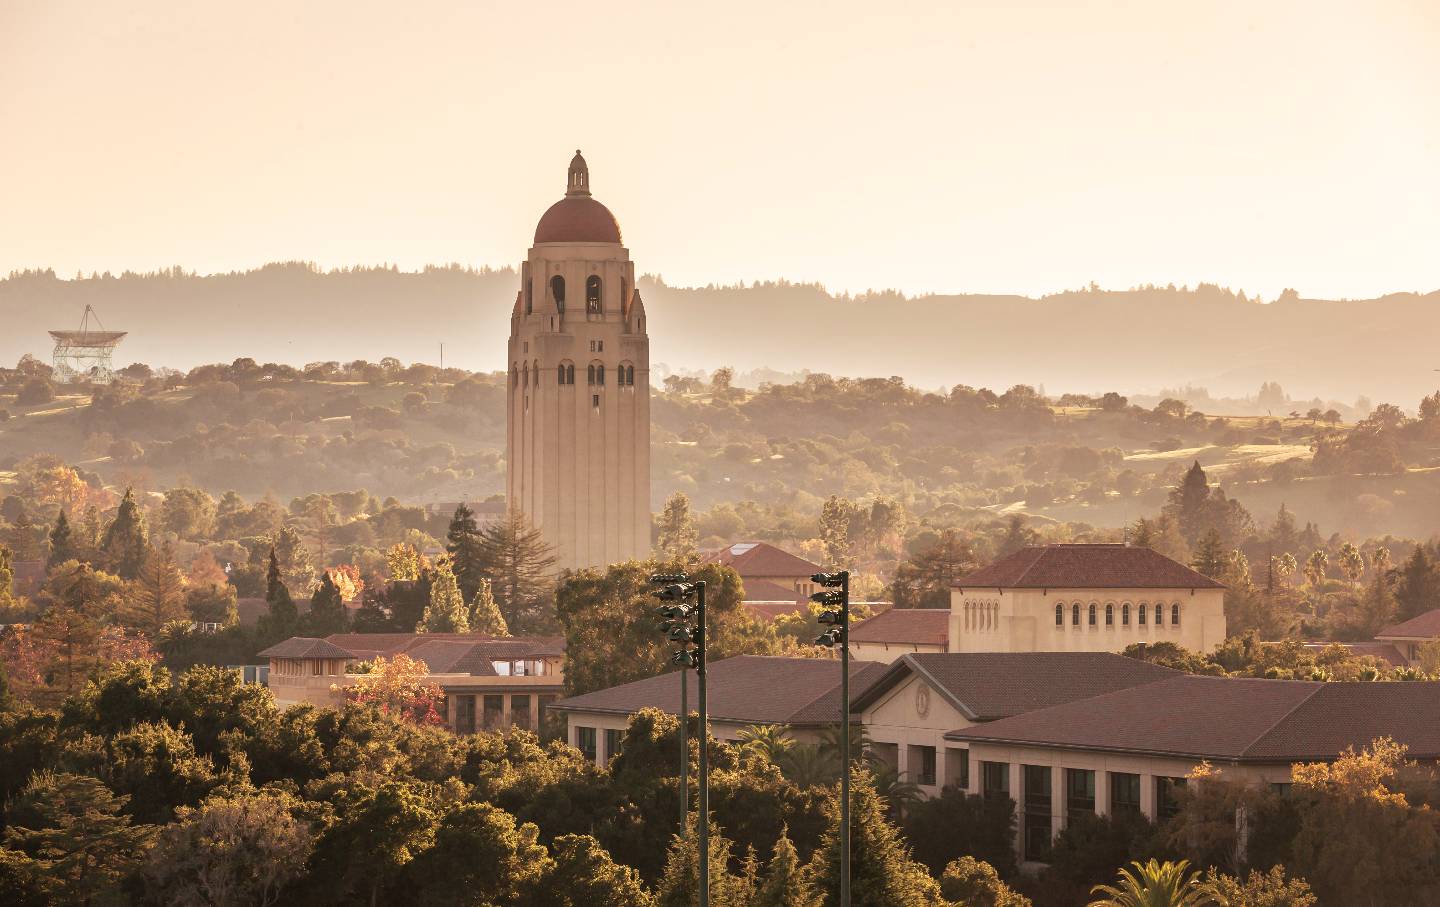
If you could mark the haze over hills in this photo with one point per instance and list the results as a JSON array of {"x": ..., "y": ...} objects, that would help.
[{"x": 1091, "y": 340}]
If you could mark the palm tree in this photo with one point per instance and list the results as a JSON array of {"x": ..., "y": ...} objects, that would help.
[
  {"x": 891, "y": 788},
  {"x": 807, "y": 765},
  {"x": 830, "y": 742},
  {"x": 1154, "y": 884},
  {"x": 773, "y": 740}
]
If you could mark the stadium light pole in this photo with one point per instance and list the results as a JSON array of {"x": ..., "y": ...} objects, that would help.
[
  {"x": 678, "y": 614},
  {"x": 836, "y": 595},
  {"x": 668, "y": 624}
]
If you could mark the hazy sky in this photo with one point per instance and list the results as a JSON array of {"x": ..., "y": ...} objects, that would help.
[{"x": 948, "y": 146}]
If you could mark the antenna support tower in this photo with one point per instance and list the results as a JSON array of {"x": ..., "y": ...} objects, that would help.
[{"x": 84, "y": 355}]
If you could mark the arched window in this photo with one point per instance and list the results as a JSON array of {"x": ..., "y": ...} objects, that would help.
[
  {"x": 592, "y": 295},
  {"x": 1109, "y": 614},
  {"x": 1059, "y": 615},
  {"x": 1125, "y": 615},
  {"x": 1075, "y": 614},
  {"x": 1092, "y": 614},
  {"x": 570, "y": 373},
  {"x": 557, "y": 290},
  {"x": 560, "y": 373},
  {"x": 600, "y": 374},
  {"x": 525, "y": 374},
  {"x": 590, "y": 375},
  {"x": 529, "y": 295},
  {"x": 1159, "y": 615},
  {"x": 514, "y": 375},
  {"x": 1140, "y": 614},
  {"x": 1175, "y": 615},
  {"x": 536, "y": 370}
]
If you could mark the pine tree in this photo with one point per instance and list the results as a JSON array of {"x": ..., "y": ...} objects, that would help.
[
  {"x": 1187, "y": 502},
  {"x": 327, "y": 609},
  {"x": 1418, "y": 590},
  {"x": 446, "y": 612},
  {"x": 678, "y": 539},
  {"x": 485, "y": 616},
  {"x": 62, "y": 545},
  {"x": 7, "y": 577},
  {"x": 157, "y": 595},
  {"x": 882, "y": 874},
  {"x": 462, "y": 543},
  {"x": 125, "y": 544},
  {"x": 282, "y": 618},
  {"x": 1210, "y": 556},
  {"x": 679, "y": 884},
  {"x": 784, "y": 882},
  {"x": 520, "y": 566},
  {"x": 1378, "y": 606}
]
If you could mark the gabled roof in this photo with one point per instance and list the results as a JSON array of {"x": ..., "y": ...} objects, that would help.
[
  {"x": 987, "y": 686},
  {"x": 1089, "y": 566},
  {"x": 760, "y": 559},
  {"x": 1425, "y": 626},
  {"x": 1230, "y": 719},
  {"x": 750, "y": 689},
  {"x": 763, "y": 590},
  {"x": 305, "y": 647},
  {"x": 912, "y": 626}
]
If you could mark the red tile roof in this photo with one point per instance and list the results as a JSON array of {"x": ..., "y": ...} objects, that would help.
[
  {"x": 1087, "y": 566},
  {"x": 763, "y": 590},
  {"x": 985, "y": 686},
  {"x": 750, "y": 689},
  {"x": 915, "y": 626},
  {"x": 1425, "y": 626},
  {"x": 305, "y": 647},
  {"x": 443, "y": 653},
  {"x": 1232, "y": 719},
  {"x": 760, "y": 559}
]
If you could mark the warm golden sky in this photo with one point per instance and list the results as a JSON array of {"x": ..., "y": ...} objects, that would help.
[{"x": 947, "y": 146}]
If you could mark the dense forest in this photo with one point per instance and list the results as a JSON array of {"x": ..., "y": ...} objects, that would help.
[{"x": 1087, "y": 340}]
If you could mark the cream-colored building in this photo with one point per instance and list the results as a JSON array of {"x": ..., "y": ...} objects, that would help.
[
  {"x": 1085, "y": 598},
  {"x": 578, "y": 420},
  {"x": 900, "y": 631},
  {"x": 490, "y": 683},
  {"x": 1408, "y": 636}
]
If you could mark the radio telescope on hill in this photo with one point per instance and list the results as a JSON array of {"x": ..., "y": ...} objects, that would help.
[{"x": 84, "y": 355}]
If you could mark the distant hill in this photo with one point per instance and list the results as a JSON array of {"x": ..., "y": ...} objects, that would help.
[{"x": 1093, "y": 340}]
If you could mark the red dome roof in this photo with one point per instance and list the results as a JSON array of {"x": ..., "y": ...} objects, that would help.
[{"x": 578, "y": 218}]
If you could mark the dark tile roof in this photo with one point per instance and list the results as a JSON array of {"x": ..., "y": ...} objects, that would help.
[
  {"x": 760, "y": 559},
  {"x": 1111, "y": 566},
  {"x": 987, "y": 686},
  {"x": 918, "y": 626},
  {"x": 763, "y": 590},
  {"x": 305, "y": 647},
  {"x": 1425, "y": 626},
  {"x": 1232, "y": 720},
  {"x": 752, "y": 689},
  {"x": 250, "y": 609}
]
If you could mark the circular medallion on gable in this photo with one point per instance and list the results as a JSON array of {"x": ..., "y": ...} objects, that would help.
[{"x": 922, "y": 700}]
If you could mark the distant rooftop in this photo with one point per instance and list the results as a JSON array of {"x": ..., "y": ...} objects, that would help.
[{"x": 1088, "y": 566}]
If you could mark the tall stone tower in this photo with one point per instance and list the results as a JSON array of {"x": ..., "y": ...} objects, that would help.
[{"x": 578, "y": 423}]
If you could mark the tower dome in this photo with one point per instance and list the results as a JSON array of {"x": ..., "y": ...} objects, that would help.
[{"x": 577, "y": 217}]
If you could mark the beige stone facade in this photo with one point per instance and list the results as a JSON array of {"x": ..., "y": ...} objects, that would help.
[
  {"x": 578, "y": 420},
  {"x": 1084, "y": 620}
]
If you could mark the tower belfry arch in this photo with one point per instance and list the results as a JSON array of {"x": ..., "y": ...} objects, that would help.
[{"x": 84, "y": 355}]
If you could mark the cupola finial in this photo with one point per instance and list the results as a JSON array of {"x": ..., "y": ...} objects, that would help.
[{"x": 578, "y": 180}]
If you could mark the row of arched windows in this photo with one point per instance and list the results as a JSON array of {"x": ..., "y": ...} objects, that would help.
[
  {"x": 1142, "y": 612},
  {"x": 593, "y": 288},
  {"x": 982, "y": 615},
  {"x": 565, "y": 374}
]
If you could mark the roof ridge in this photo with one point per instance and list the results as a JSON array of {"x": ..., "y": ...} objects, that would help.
[
  {"x": 1039, "y": 555},
  {"x": 1319, "y": 685}
]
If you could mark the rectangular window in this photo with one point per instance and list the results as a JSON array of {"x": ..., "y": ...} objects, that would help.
[
  {"x": 501, "y": 667},
  {"x": 494, "y": 712},
  {"x": 544, "y": 706},
  {"x": 1079, "y": 792},
  {"x": 1036, "y": 812},
  {"x": 1167, "y": 804},
  {"x": 585, "y": 742},
  {"x": 613, "y": 738},
  {"x": 995, "y": 779},
  {"x": 318, "y": 667},
  {"x": 1124, "y": 793},
  {"x": 520, "y": 710},
  {"x": 922, "y": 764},
  {"x": 957, "y": 768},
  {"x": 464, "y": 714},
  {"x": 594, "y": 401}
]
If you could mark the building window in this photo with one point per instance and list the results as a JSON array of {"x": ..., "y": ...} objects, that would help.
[
  {"x": 1037, "y": 804},
  {"x": 494, "y": 715},
  {"x": 1079, "y": 793},
  {"x": 613, "y": 738},
  {"x": 957, "y": 768},
  {"x": 922, "y": 765},
  {"x": 1175, "y": 615},
  {"x": 1109, "y": 614},
  {"x": 1091, "y": 616},
  {"x": 594, "y": 401},
  {"x": 1140, "y": 614},
  {"x": 464, "y": 714},
  {"x": 557, "y": 290},
  {"x": 1059, "y": 615},
  {"x": 1159, "y": 615},
  {"x": 543, "y": 706},
  {"x": 1125, "y": 615},
  {"x": 1124, "y": 793},
  {"x": 1167, "y": 803},
  {"x": 585, "y": 742},
  {"x": 1075, "y": 614},
  {"x": 317, "y": 667},
  {"x": 592, "y": 295},
  {"x": 995, "y": 779},
  {"x": 590, "y": 375},
  {"x": 600, "y": 374}
]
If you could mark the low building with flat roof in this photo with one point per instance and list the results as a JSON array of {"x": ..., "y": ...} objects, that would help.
[
  {"x": 1085, "y": 598},
  {"x": 802, "y": 694},
  {"x": 490, "y": 682},
  {"x": 1128, "y": 750}
]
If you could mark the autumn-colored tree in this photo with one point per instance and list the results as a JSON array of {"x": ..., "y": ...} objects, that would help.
[
  {"x": 836, "y": 515},
  {"x": 399, "y": 687},
  {"x": 404, "y": 562}
]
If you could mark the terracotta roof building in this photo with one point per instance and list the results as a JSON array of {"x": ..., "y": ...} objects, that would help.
[
  {"x": 800, "y": 693},
  {"x": 1408, "y": 636},
  {"x": 1085, "y": 598},
  {"x": 490, "y": 682},
  {"x": 893, "y": 633}
]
